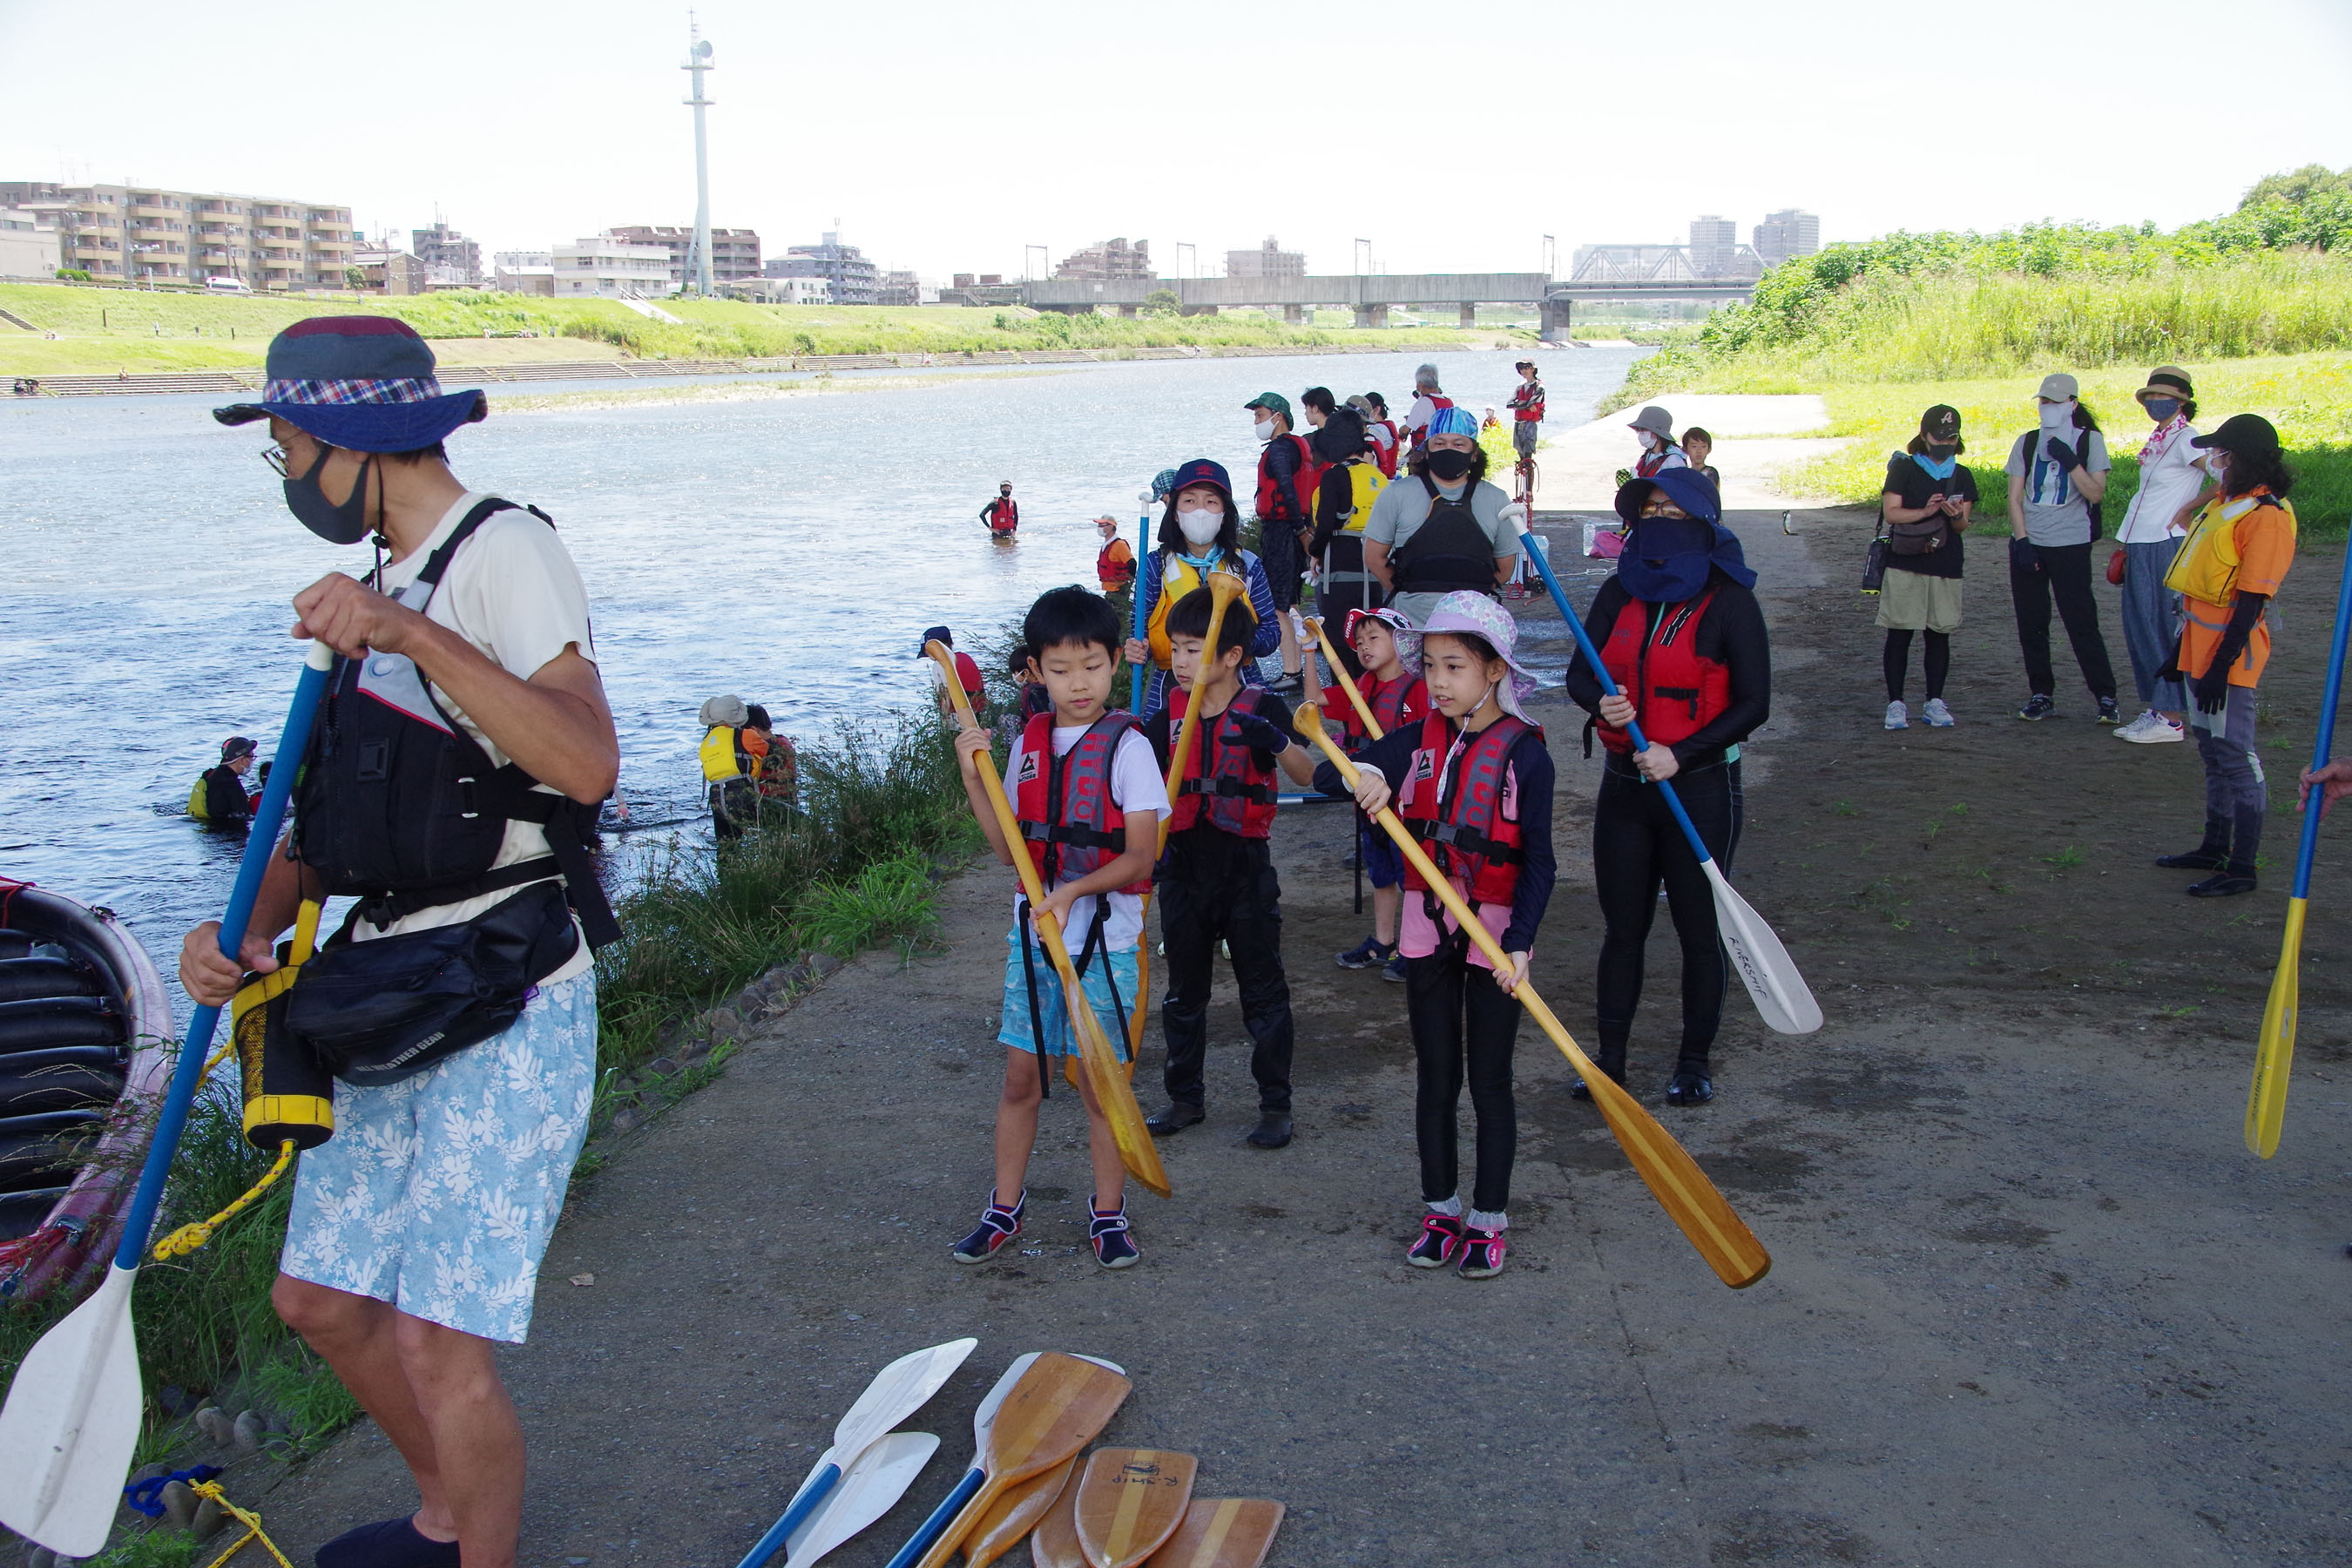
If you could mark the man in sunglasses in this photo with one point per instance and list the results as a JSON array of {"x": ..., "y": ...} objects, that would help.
[{"x": 467, "y": 731}]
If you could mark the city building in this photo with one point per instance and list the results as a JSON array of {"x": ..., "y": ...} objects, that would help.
[
  {"x": 137, "y": 233},
  {"x": 28, "y": 244},
  {"x": 778, "y": 291},
  {"x": 1714, "y": 245},
  {"x": 603, "y": 267},
  {"x": 897, "y": 288},
  {"x": 980, "y": 289},
  {"x": 523, "y": 272},
  {"x": 387, "y": 270},
  {"x": 451, "y": 261},
  {"x": 1112, "y": 260},
  {"x": 734, "y": 252},
  {"x": 1268, "y": 261},
  {"x": 1786, "y": 234},
  {"x": 854, "y": 279}
]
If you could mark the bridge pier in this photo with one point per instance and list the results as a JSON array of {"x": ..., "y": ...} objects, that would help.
[
  {"x": 1556, "y": 319},
  {"x": 1294, "y": 315},
  {"x": 1469, "y": 315},
  {"x": 1372, "y": 316},
  {"x": 1200, "y": 309},
  {"x": 1129, "y": 311}
]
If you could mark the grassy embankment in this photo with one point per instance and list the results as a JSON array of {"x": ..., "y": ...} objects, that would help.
[{"x": 100, "y": 331}]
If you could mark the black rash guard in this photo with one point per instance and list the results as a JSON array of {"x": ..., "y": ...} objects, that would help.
[{"x": 1731, "y": 631}]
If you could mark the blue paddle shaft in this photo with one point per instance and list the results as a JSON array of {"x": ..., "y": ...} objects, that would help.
[
  {"x": 1135, "y": 677},
  {"x": 803, "y": 1506},
  {"x": 942, "y": 1517},
  {"x": 261, "y": 842},
  {"x": 2325, "y": 741},
  {"x": 1608, "y": 687}
]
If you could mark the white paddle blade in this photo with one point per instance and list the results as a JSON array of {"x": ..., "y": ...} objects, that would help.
[
  {"x": 1781, "y": 997},
  {"x": 72, "y": 1424},
  {"x": 897, "y": 1392},
  {"x": 868, "y": 1488}
]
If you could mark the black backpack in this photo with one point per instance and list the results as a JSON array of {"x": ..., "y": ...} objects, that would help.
[{"x": 2036, "y": 453}]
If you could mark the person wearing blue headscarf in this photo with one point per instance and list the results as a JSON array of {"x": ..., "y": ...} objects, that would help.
[
  {"x": 1442, "y": 529},
  {"x": 1682, "y": 636}
]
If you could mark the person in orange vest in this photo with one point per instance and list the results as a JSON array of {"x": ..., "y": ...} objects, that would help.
[
  {"x": 1115, "y": 562},
  {"x": 1003, "y": 515}
]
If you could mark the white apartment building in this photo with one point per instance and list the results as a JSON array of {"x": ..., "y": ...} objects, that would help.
[
  {"x": 28, "y": 244},
  {"x": 602, "y": 267}
]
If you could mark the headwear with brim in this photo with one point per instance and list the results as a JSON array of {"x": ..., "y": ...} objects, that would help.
[
  {"x": 1164, "y": 484},
  {"x": 2059, "y": 387},
  {"x": 1942, "y": 423},
  {"x": 1688, "y": 488},
  {"x": 1655, "y": 420},
  {"x": 1362, "y": 406},
  {"x": 1455, "y": 421},
  {"x": 1271, "y": 402},
  {"x": 940, "y": 635},
  {"x": 237, "y": 746},
  {"x": 2243, "y": 436},
  {"x": 2166, "y": 381},
  {"x": 1398, "y": 623},
  {"x": 366, "y": 384},
  {"x": 1202, "y": 471},
  {"x": 729, "y": 710},
  {"x": 1483, "y": 618}
]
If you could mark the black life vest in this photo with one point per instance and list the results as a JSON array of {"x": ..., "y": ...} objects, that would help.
[
  {"x": 1466, "y": 834},
  {"x": 400, "y": 807},
  {"x": 1068, "y": 821},
  {"x": 1239, "y": 795},
  {"x": 1449, "y": 552}
]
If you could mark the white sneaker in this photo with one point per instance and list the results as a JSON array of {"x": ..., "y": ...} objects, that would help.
[
  {"x": 2146, "y": 717},
  {"x": 1897, "y": 716},
  {"x": 2154, "y": 730},
  {"x": 1939, "y": 717}
]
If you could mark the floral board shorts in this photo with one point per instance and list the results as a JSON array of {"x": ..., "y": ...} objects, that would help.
[
  {"x": 1096, "y": 979},
  {"x": 438, "y": 1194}
]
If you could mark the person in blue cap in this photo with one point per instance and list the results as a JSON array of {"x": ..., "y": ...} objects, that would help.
[
  {"x": 1682, "y": 636},
  {"x": 452, "y": 782},
  {"x": 1442, "y": 529},
  {"x": 1199, "y": 532}
]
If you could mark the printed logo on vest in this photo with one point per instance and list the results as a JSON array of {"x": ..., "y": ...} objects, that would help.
[{"x": 1028, "y": 768}]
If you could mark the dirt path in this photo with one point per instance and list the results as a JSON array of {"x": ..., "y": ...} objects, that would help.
[{"x": 2033, "y": 1302}]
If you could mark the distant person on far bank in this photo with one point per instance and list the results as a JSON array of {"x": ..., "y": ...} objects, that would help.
[
  {"x": 1428, "y": 402},
  {"x": 1527, "y": 411},
  {"x": 2057, "y": 475},
  {"x": 1286, "y": 474},
  {"x": 2173, "y": 484},
  {"x": 1925, "y": 506},
  {"x": 1442, "y": 529},
  {"x": 1003, "y": 515},
  {"x": 1697, "y": 447},
  {"x": 220, "y": 795},
  {"x": 1115, "y": 562},
  {"x": 1654, "y": 428}
]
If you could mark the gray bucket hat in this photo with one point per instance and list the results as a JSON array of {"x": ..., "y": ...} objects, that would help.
[
  {"x": 729, "y": 710},
  {"x": 1655, "y": 420}
]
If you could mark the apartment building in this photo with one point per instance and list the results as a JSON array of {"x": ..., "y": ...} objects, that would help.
[
  {"x": 1112, "y": 260},
  {"x": 28, "y": 244},
  {"x": 853, "y": 278},
  {"x": 604, "y": 266},
  {"x": 734, "y": 252},
  {"x": 143, "y": 234},
  {"x": 451, "y": 261},
  {"x": 1268, "y": 261}
]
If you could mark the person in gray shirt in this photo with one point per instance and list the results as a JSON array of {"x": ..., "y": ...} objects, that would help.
[
  {"x": 2057, "y": 476},
  {"x": 1446, "y": 481}
]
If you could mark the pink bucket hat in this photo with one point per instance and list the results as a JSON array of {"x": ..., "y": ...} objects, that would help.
[{"x": 1483, "y": 618}]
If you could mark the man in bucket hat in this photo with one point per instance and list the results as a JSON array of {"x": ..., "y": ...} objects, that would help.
[{"x": 416, "y": 1231}]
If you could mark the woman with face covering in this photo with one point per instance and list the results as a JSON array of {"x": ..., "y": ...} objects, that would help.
[
  {"x": 1654, "y": 428},
  {"x": 1683, "y": 638},
  {"x": 1198, "y": 535},
  {"x": 2057, "y": 476},
  {"x": 1925, "y": 503}
]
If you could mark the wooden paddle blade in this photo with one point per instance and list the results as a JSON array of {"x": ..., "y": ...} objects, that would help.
[
  {"x": 1057, "y": 1408},
  {"x": 1129, "y": 1501},
  {"x": 1221, "y": 1532},
  {"x": 2274, "y": 1049},
  {"x": 1016, "y": 1513},
  {"x": 1114, "y": 1093},
  {"x": 1054, "y": 1542},
  {"x": 72, "y": 1424},
  {"x": 1782, "y": 998}
]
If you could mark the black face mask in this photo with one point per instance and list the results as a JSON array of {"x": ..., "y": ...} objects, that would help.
[
  {"x": 1449, "y": 465},
  {"x": 1939, "y": 451},
  {"x": 344, "y": 524}
]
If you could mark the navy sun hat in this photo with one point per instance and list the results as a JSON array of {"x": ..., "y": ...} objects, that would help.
[
  {"x": 365, "y": 383},
  {"x": 1688, "y": 488}
]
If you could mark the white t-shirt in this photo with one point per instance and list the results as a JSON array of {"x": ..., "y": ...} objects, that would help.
[
  {"x": 1138, "y": 791},
  {"x": 512, "y": 592},
  {"x": 2172, "y": 472},
  {"x": 1418, "y": 417}
]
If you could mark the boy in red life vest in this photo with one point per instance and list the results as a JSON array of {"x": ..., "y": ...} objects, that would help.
[
  {"x": 1385, "y": 642},
  {"x": 1089, "y": 796},
  {"x": 1217, "y": 880},
  {"x": 1474, "y": 783},
  {"x": 1002, "y": 515}
]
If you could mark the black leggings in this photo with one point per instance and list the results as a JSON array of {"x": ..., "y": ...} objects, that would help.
[
  {"x": 1459, "y": 1014},
  {"x": 1898, "y": 661},
  {"x": 1636, "y": 847}
]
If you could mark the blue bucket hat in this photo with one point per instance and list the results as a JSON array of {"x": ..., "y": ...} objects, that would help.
[
  {"x": 365, "y": 383},
  {"x": 1455, "y": 421}
]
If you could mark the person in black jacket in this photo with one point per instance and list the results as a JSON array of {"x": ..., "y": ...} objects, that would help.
[
  {"x": 219, "y": 795},
  {"x": 1683, "y": 638}
]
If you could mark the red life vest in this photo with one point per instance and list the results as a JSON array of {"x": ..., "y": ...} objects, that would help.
[
  {"x": 1270, "y": 504},
  {"x": 1471, "y": 839},
  {"x": 1650, "y": 465},
  {"x": 1394, "y": 703},
  {"x": 1387, "y": 456},
  {"x": 1112, "y": 574},
  {"x": 1437, "y": 400},
  {"x": 1239, "y": 796},
  {"x": 1004, "y": 515},
  {"x": 1674, "y": 691},
  {"x": 1068, "y": 822}
]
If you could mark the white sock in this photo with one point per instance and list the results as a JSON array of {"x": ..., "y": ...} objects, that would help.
[
  {"x": 1450, "y": 1208},
  {"x": 1480, "y": 1219}
]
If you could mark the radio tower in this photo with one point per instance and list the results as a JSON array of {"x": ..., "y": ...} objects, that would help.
[{"x": 697, "y": 60}]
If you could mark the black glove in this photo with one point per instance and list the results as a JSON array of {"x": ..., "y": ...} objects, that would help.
[
  {"x": 1258, "y": 734},
  {"x": 2020, "y": 555},
  {"x": 2063, "y": 456},
  {"x": 2212, "y": 687},
  {"x": 2171, "y": 671}
]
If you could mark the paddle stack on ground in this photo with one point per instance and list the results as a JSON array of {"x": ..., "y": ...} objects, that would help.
[
  {"x": 1221, "y": 1532},
  {"x": 2275, "y": 1048},
  {"x": 1055, "y": 1410},
  {"x": 870, "y": 1486},
  {"x": 1113, "y": 1093},
  {"x": 71, "y": 1423},
  {"x": 1781, "y": 997},
  {"x": 1690, "y": 1199},
  {"x": 1129, "y": 1501}
]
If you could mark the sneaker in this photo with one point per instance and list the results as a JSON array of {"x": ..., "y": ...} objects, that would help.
[
  {"x": 2154, "y": 730},
  {"x": 1289, "y": 685},
  {"x": 2108, "y": 713},
  {"x": 1393, "y": 970},
  {"x": 1937, "y": 716},
  {"x": 1365, "y": 955},
  {"x": 998, "y": 1226},
  {"x": 2037, "y": 708},
  {"x": 2222, "y": 884},
  {"x": 1439, "y": 1242},
  {"x": 1690, "y": 1088},
  {"x": 1113, "y": 1247},
  {"x": 2140, "y": 722},
  {"x": 2204, "y": 858},
  {"x": 1897, "y": 716},
  {"x": 1482, "y": 1253}
]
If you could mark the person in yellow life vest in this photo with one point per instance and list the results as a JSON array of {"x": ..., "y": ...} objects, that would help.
[
  {"x": 2239, "y": 546},
  {"x": 731, "y": 766},
  {"x": 219, "y": 794},
  {"x": 1198, "y": 535}
]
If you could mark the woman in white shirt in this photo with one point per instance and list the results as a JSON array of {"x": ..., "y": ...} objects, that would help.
[{"x": 2172, "y": 485}]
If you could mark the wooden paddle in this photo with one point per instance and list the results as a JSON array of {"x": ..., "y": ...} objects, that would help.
[
  {"x": 1057, "y": 1408},
  {"x": 1129, "y": 1501},
  {"x": 1113, "y": 1093},
  {"x": 1054, "y": 1542},
  {"x": 1221, "y": 1532},
  {"x": 1016, "y": 1513},
  {"x": 1339, "y": 673},
  {"x": 1690, "y": 1199}
]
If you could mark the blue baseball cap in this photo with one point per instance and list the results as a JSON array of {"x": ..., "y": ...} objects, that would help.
[
  {"x": 366, "y": 384},
  {"x": 1200, "y": 471},
  {"x": 1455, "y": 421}
]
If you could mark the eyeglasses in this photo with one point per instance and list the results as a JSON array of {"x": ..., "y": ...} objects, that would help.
[{"x": 276, "y": 459}]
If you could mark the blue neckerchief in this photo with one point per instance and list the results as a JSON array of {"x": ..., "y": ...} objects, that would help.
[
  {"x": 1204, "y": 565},
  {"x": 1936, "y": 470}
]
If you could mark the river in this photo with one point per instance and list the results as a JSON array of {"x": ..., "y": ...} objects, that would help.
[{"x": 791, "y": 549}]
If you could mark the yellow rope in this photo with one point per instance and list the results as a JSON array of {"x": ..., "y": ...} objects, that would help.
[
  {"x": 244, "y": 1515},
  {"x": 189, "y": 1237}
]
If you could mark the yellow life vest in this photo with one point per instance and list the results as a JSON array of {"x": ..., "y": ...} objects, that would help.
[
  {"x": 199, "y": 808},
  {"x": 1177, "y": 578},
  {"x": 2206, "y": 566},
  {"x": 722, "y": 754},
  {"x": 1368, "y": 482}
]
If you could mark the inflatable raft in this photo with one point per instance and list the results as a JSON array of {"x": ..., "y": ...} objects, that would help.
[{"x": 85, "y": 1037}]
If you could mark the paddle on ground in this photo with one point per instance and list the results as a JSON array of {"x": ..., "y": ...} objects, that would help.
[
  {"x": 1057, "y": 1408},
  {"x": 871, "y": 1485},
  {"x": 1129, "y": 1501},
  {"x": 1221, "y": 1532}
]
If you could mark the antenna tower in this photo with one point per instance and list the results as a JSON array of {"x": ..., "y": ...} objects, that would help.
[{"x": 697, "y": 61}]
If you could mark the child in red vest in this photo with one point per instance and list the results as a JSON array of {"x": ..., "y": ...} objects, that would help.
[
  {"x": 1217, "y": 880},
  {"x": 1385, "y": 644},
  {"x": 1089, "y": 797},
  {"x": 1474, "y": 783}
]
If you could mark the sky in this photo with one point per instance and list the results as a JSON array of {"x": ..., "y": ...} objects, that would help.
[{"x": 947, "y": 137}]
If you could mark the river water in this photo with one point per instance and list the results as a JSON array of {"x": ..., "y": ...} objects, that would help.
[{"x": 792, "y": 550}]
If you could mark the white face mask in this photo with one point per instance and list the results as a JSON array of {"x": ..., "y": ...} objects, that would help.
[
  {"x": 1650, "y": 439},
  {"x": 1264, "y": 429},
  {"x": 2058, "y": 420},
  {"x": 1200, "y": 527}
]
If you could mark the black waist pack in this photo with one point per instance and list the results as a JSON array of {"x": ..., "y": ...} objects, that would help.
[{"x": 377, "y": 1012}]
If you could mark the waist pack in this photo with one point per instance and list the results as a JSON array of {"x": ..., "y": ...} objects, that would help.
[{"x": 377, "y": 1012}]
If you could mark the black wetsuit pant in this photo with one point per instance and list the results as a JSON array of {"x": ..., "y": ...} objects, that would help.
[
  {"x": 2060, "y": 572},
  {"x": 1239, "y": 901},
  {"x": 1460, "y": 1019},
  {"x": 1636, "y": 849}
]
